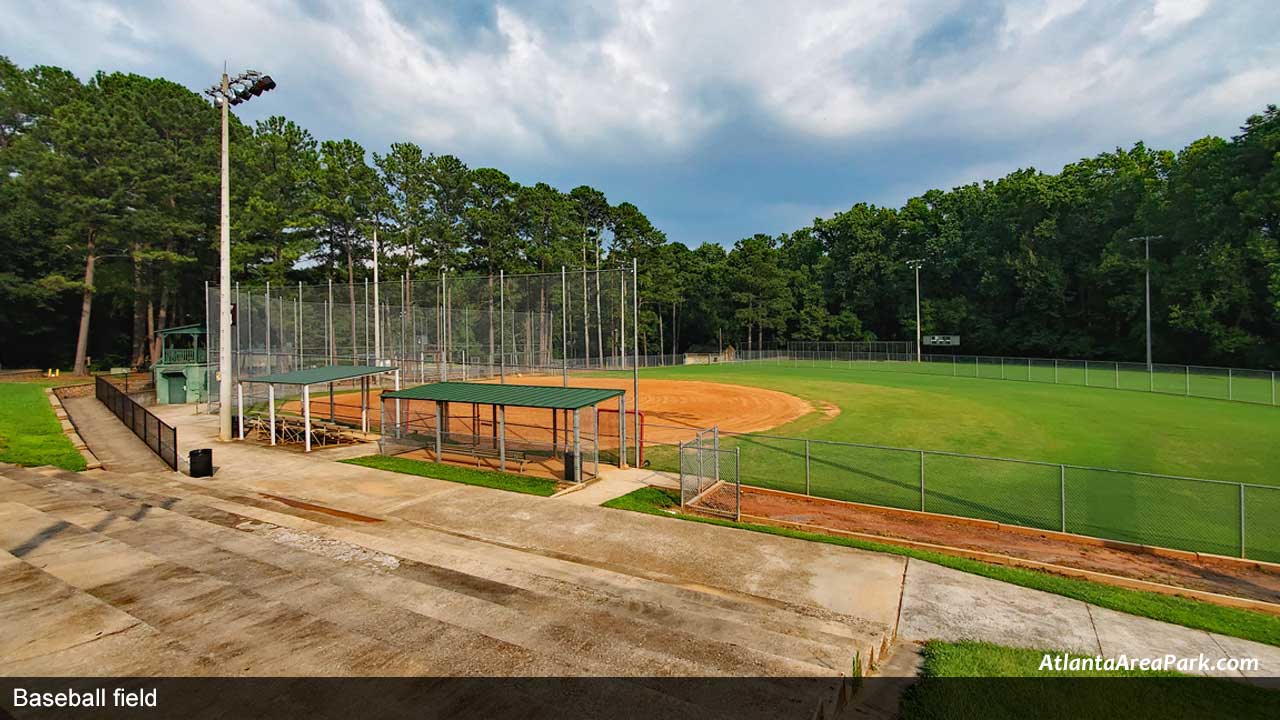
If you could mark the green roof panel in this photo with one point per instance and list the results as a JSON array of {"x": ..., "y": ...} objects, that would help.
[
  {"x": 315, "y": 376},
  {"x": 536, "y": 396}
]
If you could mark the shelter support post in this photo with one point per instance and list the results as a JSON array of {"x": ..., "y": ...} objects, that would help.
[
  {"x": 306, "y": 418},
  {"x": 577, "y": 448},
  {"x": 502, "y": 438},
  {"x": 439, "y": 444},
  {"x": 240, "y": 406},
  {"x": 622, "y": 432},
  {"x": 271, "y": 410}
]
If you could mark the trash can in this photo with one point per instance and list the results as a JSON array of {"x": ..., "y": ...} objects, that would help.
[
  {"x": 570, "y": 467},
  {"x": 201, "y": 461}
]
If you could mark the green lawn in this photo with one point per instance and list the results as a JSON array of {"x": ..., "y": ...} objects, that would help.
[
  {"x": 30, "y": 434},
  {"x": 1013, "y": 686},
  {"x": 1247, "y": 624},
  {"x": 1069, "y": 424},
  {"x": 452, "y": 473}
]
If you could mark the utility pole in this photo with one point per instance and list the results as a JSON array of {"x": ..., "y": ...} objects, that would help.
[
  {"x": 229, "y": 91},
  {"x": 1146, "y": 239},
  {"x": 916, "y": 265}
]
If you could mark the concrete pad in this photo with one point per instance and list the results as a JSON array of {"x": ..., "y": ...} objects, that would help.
[
  {"x": 945, "y": 604},
  {"x": 40, "y": 614},
  {"x": 1268, "y": 657},
  {"x": 600, "y": 492},
  {"x": 1137, "y": 637}
]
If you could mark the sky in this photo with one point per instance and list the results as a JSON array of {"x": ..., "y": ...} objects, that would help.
[{"x": 718, "y": 119}]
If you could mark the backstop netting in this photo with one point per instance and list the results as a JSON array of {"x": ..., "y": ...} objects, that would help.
[{"x": 448, "y": 328}]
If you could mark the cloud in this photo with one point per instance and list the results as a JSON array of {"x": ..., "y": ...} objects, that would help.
[{"x": 665, "y": 99}]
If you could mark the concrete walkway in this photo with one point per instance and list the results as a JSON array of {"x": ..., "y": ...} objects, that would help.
[
  {"x": 945, "y": 604},
  {"x": 115, "y": 445},
  {"x": 935, "y": 602},
  {"x": 635, "y": 566}
]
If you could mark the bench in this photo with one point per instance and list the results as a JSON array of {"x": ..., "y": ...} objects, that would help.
[{"x": 477, "y": 452}]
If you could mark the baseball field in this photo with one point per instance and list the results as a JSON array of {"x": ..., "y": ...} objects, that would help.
[{"x": 1065, "y": 431}]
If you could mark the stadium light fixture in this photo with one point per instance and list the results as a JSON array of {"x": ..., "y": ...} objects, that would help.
[
  {"x": 916, "y": 265},
  {"x": 1146, "y": 240},
  {"x": 230, "y": 91}
]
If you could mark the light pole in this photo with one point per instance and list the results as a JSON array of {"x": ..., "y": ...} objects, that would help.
[
  {"x": 1146, "y": 239},
  {"x": 230, "y": 91},
  {"x": 377, "y": 324},
  {"x": 916, "y": 265}
]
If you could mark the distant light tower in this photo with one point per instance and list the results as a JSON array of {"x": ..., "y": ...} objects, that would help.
[
  {"x": 230, "y": 91},
  {"x": 916, "y": 265},
  {"x": 1146, "y": 239}
]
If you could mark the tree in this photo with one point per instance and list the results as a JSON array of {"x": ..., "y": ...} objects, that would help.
[{"x": 346, "y": 190}]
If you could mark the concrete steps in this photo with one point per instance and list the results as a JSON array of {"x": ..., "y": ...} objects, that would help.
[
  {"x": 561, "y": 579},
  {"x": 243, "y": 586}
]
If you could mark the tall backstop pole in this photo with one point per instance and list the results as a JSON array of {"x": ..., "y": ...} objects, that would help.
[
  {"x": 377, "y": 323},
  {"x": 564, "y": 324},
  {"x": 635, "y": 349},
  {"x": 502, "y": 327}
]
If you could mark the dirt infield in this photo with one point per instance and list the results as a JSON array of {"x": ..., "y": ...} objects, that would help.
[
  {"x": 1228, "y": 579},
  {"x": 671, "y": 408}
]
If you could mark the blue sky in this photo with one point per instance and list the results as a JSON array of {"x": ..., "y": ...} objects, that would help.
[{"x": 718, "y": 119}]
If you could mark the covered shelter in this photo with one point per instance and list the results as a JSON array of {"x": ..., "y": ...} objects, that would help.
[
  {"x": 432, "y": 429},
  {"x": 326, "y": 375}
]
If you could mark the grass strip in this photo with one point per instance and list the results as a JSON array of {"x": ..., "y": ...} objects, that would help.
[
  {"x": 30, "y": 433},
  {"x": 946, "y": 689},
  {"x": 452, "y": 473},
  {"x": 1236, "y": 622}
]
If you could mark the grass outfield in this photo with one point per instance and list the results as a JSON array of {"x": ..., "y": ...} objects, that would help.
[
  {"x": 944, "y": 692},
  {"x": 1134, "y": 431},
  {"x": 30, "y": 434}
]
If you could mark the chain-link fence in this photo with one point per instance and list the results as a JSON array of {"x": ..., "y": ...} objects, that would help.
[
  {"x": 1237, "y": 384},
  {"x": 709, "y": 475},
  {"x": 454, "y": 327},
  {"x": 1224, "y": 518}
]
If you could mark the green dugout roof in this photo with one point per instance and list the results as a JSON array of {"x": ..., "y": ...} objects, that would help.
[
  {"x": 315, "y": 376},
  {"x": 536, "y": 396}
]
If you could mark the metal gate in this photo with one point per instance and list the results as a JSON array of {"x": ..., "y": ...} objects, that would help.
[{"x": 709, "y": 476}]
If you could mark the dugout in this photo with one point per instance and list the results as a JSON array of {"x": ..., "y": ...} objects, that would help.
[
  {"x": 550, "y": 431},
  {"x": 328, "y": 376}
]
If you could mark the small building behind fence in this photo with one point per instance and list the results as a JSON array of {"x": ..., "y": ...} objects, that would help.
[{"x": 708, "y": 355}]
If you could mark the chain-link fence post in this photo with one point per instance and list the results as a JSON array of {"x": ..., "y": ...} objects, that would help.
[
  {"x": 921, "y": 481},
  {"x": 737, "y": 481},
  {"x": 1062, "y": 495},
  {"x": 680, "y": 464},
  {"x": 806, "y": 467},
  {"x": 1241, "y": 519},
  {"x": 715, "y": 450},
  {"x": 701, "y": 472}
]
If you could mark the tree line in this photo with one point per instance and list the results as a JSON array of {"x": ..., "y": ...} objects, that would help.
[{"x": 109, "y": 229}]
